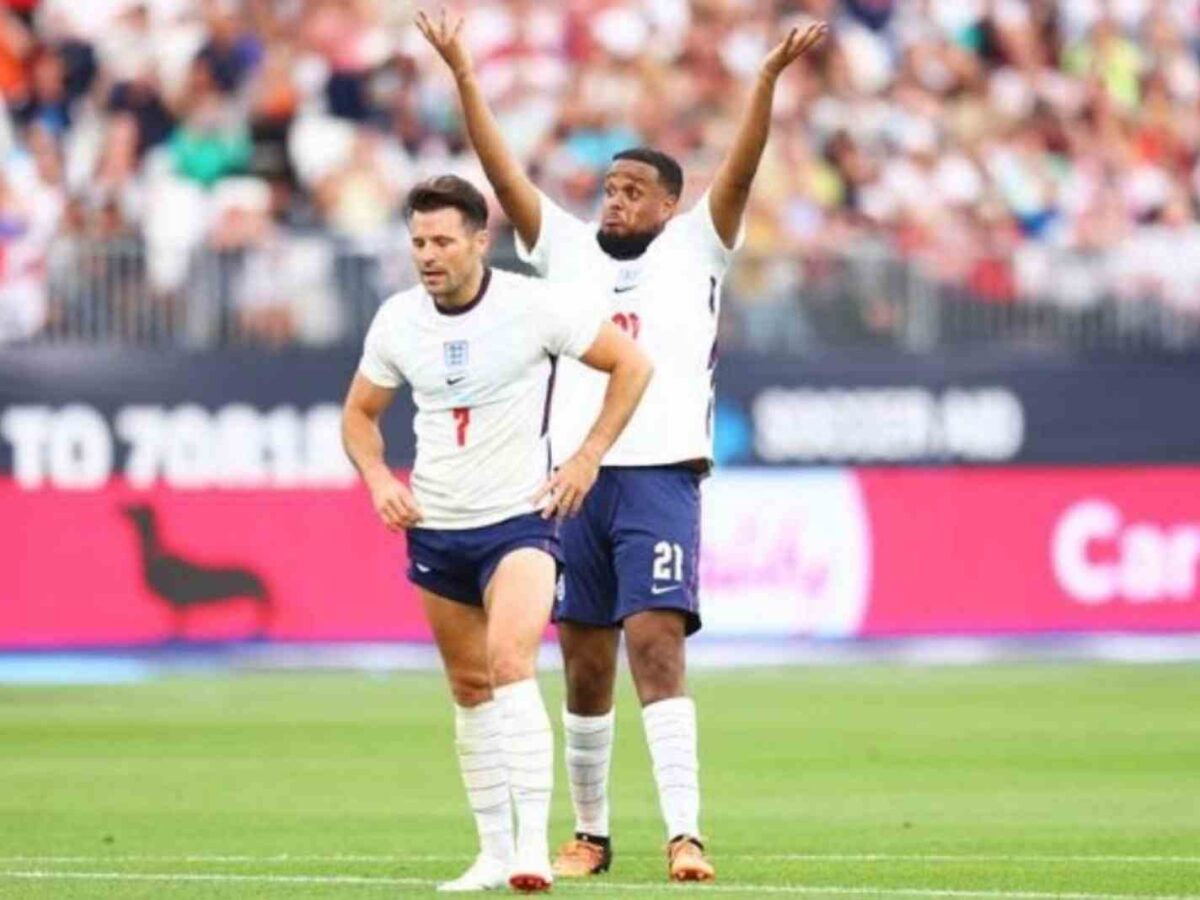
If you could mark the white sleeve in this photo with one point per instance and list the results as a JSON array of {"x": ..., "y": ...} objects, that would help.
[
  {"x": 567, "y": 326},
  {"x": 702, "y": 234},
  {"x": 378, "y": 365},
  {"x": 559, "y": 232}
]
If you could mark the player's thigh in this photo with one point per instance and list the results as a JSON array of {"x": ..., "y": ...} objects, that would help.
[
  {"x": 656, "y": 545},
  {"x": 461, "y": 633},
  {"x": 518, "y": 597},
  {"x": 589, "y": 589}
]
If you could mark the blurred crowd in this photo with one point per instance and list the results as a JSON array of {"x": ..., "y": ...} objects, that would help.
[{"x": 1047, "y": 148}]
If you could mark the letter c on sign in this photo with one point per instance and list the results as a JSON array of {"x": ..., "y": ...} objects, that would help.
[{"x": 1087, "y": 582}]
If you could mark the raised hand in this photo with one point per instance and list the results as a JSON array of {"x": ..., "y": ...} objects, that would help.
[
  {"x": 514, "y": 190},
  {"x": 446, "y": 37},
  {"x": 794, "y": 46}
]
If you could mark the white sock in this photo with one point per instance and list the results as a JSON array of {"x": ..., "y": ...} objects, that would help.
[
  {"x": 529, "y": 756},
  {"x": 477, "y": 731},
  {"x": 589, "y": 741},
  {"x": 671, "y": 734}
]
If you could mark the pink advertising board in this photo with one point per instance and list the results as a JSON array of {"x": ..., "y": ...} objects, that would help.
[
  {"x": 1034, "y": 550},
  {"x": 310, "y": 565},
  {"x": 837, "y": 553},
  {"x": 978, "y": 551}
]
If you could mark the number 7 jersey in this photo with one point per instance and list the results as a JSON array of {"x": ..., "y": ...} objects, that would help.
[
  {"x": 668, "y": 300},
  {"x": 481, "y": 378}
]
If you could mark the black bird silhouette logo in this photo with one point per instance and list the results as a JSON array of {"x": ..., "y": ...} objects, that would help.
[{"x": 184, "y": 585}]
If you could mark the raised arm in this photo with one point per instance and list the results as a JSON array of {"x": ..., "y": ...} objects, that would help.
[
  {"x": 629, "y": 371},
  {"x": 363, "y": 441},
  {"x": 731, "y": 186},
  {"x": 516, "y": 193}
]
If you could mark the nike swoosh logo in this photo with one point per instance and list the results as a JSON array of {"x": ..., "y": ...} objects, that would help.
[
  {"x": 624, "y": 290},
  {"x": 454, "y": 381},
  {"x": 656, "y": 590},
  {"x": 421, "y": 568}
]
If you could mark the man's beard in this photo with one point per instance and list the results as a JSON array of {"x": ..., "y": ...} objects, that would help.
[{"x": 626, "y": 246}]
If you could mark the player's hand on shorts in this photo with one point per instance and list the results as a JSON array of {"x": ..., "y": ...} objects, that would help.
[
  {"x": 798, "y": 42},
  {"x": 445, "y": 34},
  {"x": 395, "y": 504},
  {"x": 563, "y": 493}
]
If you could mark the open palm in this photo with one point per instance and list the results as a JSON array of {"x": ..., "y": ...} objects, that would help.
[
  {"x": 446, "y": 37},
  {"x": 794, "y": 46}
]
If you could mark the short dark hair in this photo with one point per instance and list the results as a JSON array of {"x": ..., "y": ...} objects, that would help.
[
  {"x": 670, "y": 173},
  {"x": 448, "y": 191}
]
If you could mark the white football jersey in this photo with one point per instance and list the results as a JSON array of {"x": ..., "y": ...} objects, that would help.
[
  {"x": 481, "y": 380},
  {"x": 668, "y": 300}
]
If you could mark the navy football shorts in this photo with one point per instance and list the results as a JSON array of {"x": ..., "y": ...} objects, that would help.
[
  {"x": 459, "y": 563},
  {"x": 634, "y": 546}
]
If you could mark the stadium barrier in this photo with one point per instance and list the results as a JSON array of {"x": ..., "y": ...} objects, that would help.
[
  {"x": 302, "y": 287},
  {"x": 151, "y": 495},
  {"x": 313, "y": 289}
]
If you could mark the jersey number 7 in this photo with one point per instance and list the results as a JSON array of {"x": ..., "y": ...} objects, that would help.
[{"x": 462, "y": 416}]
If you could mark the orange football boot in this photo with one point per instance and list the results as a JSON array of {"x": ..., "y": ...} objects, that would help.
[{"x": 686, "y": 860}]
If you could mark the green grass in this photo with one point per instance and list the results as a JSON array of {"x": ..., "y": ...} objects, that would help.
[{"x": 1016, "y": 781}]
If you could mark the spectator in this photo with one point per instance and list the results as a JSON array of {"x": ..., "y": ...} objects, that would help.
[
  {"x": 141, "y": 100},
  {"x": 958, "y": 134},
  {"x": 32, "y": 201},
  {"x": 359, "y": 201},
  {"x": 16, "y": 44},
  {"x": 250, "y": 264},
  {"x": 46, "y": 101},
  {"x": 211, "y": 143},
  {"x": 230, "y": 53}
]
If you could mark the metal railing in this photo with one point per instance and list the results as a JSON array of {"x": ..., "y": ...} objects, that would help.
[
  {"x": 867, "y": 297},
  {"x": 310, "y": 289}
]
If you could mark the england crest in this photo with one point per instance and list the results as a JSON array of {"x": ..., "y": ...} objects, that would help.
[{"x": 456, "y": 354}]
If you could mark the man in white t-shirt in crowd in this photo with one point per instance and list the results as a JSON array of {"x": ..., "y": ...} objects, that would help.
[
  {"x": 478, "y": 348},
  {"x": 632, "y": 555}
]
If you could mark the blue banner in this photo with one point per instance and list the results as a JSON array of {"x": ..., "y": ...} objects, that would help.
[{"x": 245, "y": 417}]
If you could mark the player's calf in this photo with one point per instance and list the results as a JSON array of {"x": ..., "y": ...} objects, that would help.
[{"x": 518, "y": 597}]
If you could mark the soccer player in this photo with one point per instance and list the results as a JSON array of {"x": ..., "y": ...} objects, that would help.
[
  {"x": 632, "y": 553},
  {"x": 478, "y": 348}
]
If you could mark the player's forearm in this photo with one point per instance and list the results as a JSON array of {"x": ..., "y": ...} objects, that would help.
[
  {"x": 751, "y": 138},
  {"x": 731, "y": 187},
  {"x": 626, "y": 384},
  {"x": 364, "y": 445},
  {"x": 516, "y": 193}
]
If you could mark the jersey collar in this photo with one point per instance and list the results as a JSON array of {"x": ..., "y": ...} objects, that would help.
[{"x": 466, "y": 308}]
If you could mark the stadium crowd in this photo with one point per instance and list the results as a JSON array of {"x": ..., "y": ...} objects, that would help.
[{"x": 1012, "y": 147}]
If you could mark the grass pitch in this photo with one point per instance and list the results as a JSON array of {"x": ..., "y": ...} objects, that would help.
[{"x": 1024, "y": 782}]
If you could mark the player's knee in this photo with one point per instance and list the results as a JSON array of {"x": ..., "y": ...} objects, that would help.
[
  {"x": 657, "y": 667},
  {"x": 590, "y": 685},
  {"x": 508, "y": 668},
  {"x": 470, "y": 688},
  {"x": 590, "y": 664}
]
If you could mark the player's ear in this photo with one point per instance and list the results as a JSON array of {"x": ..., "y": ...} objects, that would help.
[
  {"x": 483, "y": 239},
  {"x": 669, "y": 204}
]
